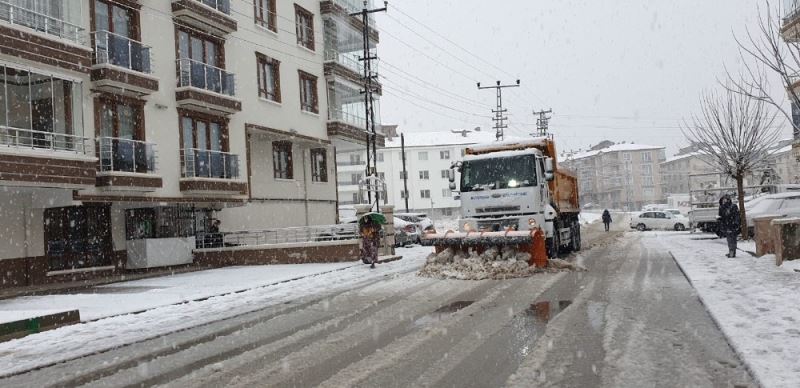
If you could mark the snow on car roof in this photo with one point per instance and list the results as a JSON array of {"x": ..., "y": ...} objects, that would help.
[{"x": 501, "y": 154}]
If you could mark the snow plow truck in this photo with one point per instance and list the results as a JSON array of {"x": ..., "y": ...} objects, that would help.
[{"x": 510, "y": 191}]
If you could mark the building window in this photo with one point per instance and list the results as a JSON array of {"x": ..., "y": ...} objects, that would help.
[
  {"x": 425, "y": 194},
  {"x": 282, "y": 160},
  {"x": 422, "y": 155},
  {"x": 647, "y": 169},
  {"x": 355, "y": 159},
  {"x": 205, "y": 145},
  {"x": 355, "y": 179},
  {"x": 305, "y": 27},
  {"x": 382, "y": 176},
  {"x": 380, "y": 156},
  {"x": 355, "y": 197},
  {"x": 265, "y": 14},
  {"x": 446, "y": 174},
  {"x": 403, "y": 194},
  {"x": 308, "y": 92},
  {"x": 39, "y": 102},
  {"x": 319, "y": 165},
  {"x": 269, "y": 78},
  {"x": 403, "y": 174},
  {"x": 626, "y": 156},
  {"x": 447, "y": 212},
  {"x": 647, "y": 181},
  {"x": 444, "y": 155},
  {"x": 446, "y": 193},
  {"x": 424, "y": 175},
  {"x": 647, "y": 157},
  {"x": 120, "y": 124}
]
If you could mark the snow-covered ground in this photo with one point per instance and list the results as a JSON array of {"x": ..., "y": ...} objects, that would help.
[
  {"x": 753, "y": 301},
  {"x": 140, "y": 295},
  {"x": 589, "y": 217},
  {"x": 90, "y": 337}
]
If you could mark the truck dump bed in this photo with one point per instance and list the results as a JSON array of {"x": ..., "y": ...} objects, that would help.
[{"x": 564, "y": 189}]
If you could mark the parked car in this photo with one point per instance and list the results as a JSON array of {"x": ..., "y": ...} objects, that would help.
[
  {"x": 784, "y": 205},
  {"x": 422, "y": 221},
  {"x": 659, "y": 220},
  {"x": 405, "y": 233}
]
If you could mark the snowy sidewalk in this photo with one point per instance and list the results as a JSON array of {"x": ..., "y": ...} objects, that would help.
[
  {"x": 753, "y": 301},
  {"x": 140, "y": 295},
  {"x": 75, "y": 341}
]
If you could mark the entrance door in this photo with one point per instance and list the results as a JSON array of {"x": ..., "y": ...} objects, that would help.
[{"x": 78, "y": 237}]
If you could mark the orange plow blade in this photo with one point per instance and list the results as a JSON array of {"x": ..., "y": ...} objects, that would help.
[{"x": 531, "y": 242}]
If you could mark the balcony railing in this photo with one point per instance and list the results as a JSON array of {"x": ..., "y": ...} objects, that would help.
[
  {"x": 121, "y": 51},
  {"x": 199, "y": 163},
  {"x": 38, "y": 21},
  {"x": 346, "y": 117},
  {"x": 352, "y": 163},
  {"x": 223, "y": 6},
  {"x": 40, "y": 140},
  {"x": 126, "y": 155},
  {"x": 200, "y": 75},
  {"x": 303, "y": 234}
]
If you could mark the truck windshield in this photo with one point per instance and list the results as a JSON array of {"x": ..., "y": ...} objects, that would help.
[{"x": 498, "y": 173}]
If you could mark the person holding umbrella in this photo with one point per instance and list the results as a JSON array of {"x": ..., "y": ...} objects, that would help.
[
  {"x": 369, "y": 227},
  {"x": 606, "y": 219}
]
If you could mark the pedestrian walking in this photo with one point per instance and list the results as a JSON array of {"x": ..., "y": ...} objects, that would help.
[
  {"x": 370, "y": 230},
  {"x": 606, "y": 219},
  {"x": 729, "y": 223}
]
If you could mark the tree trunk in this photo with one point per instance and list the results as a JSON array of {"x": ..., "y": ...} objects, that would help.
[{"x": 742, "y": 213}]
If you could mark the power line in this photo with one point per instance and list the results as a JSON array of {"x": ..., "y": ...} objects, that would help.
[{"x": 500, "y": 117}]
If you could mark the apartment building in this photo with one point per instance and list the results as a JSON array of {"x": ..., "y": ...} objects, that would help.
[
  {"x": 619, "y": 176},
  {"x": 790, "y": 31},
  {"x": 127, "y": 125},
  {"x": 676, "y": 172},
  {"x": 429, "y": 156}
]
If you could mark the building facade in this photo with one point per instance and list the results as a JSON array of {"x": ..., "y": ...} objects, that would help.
[
  {"x": 619, "y": 176},
  {"x": 429, "y": 156},
  {"x": 789, "y": 32},
  {"x": 126, "y": 126},
  {"x": 676, "y": 172}
]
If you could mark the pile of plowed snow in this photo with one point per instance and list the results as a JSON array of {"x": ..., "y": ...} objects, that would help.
[{"x": 492, "y": 264}]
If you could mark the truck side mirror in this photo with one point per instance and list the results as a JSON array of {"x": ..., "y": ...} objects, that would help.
[
  {"x": 549, "y": 169},
  {"x": 452, "y": 185}
]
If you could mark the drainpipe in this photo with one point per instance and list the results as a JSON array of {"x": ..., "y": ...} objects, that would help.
[{"x": 305, "y": 183}]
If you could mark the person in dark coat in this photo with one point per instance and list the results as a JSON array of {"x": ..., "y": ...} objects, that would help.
[
  {"x": 606, "y": 219},
  {"x": 729, "y": 222},
  {"x": 370, "y": 241}
]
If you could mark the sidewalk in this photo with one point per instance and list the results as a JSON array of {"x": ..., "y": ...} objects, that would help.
[
  {"x": 753, "y": 301},
  {"x": 145, "y": 294}
]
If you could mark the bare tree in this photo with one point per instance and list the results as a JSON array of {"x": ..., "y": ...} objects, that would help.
[
  {"x": 773, "y": 47},
  {"x": 734, "y": 131}
]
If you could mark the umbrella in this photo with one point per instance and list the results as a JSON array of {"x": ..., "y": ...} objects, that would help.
[{"x": 377, "y": 218}]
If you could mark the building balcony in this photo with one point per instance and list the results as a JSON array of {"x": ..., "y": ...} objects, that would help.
[
  {"x": 210, "y": 172},
  {"x": 58, "y": 42},
  {"x": 128, "y": 165},
  {"x": 342, "y": 9},
  {"x": 347, "y": 66},
  {"x": 205, "y": 88},
  {"x": 790, "y": 29},
  {"x": 122, "y": 65},
  {"x": 45, "y": 159},
  {"x": 211, "y": 16}
]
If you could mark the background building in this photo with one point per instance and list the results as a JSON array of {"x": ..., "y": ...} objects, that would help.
[
  {"x": 429, "y": 156},
  {"x": 619, "y": 176}
]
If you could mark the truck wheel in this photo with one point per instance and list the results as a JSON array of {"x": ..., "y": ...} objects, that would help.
[
  {"x": 641, "y": 227},
  {"x": 552, "y": 247},
  {"x": 679, "y": 227},
  {"x": 576, "y": 236}
]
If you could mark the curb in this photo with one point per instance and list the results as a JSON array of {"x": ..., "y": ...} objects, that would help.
[
  {"x": 714, "y": 319},
  {"x": 37, "y": 324}
]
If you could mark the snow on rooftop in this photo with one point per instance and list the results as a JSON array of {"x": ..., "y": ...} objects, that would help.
[
  {"x": 782, "y": 150},
  {"x": 440, "y": 138},
  {"x": 618, "y": 148},
  {"x": 684, "y": 156}
]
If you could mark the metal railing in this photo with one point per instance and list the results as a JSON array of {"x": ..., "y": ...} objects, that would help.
[
  {"x": 200, "y": 75},
  {"x": 121, "y": 51},
  {"x": 41, "y": 140},
  {"x": 347, "y": 163},
  {"x": 126, "y": 155},
  {"x": 303, "y": 234},
  {"x": 38, "y": 21},
  {"x": 197, "y": 163},
  {"x": 223, "y": 6},
  {"x": 346, "y": 117}
]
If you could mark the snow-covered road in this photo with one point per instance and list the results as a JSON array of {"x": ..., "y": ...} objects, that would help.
[{"x": 631, "y": 320}]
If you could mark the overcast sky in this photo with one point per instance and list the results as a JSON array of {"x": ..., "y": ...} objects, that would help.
[{"x": 623, "y": 70}]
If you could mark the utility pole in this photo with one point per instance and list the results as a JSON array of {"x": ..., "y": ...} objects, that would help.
[
  {"x": 499, "y": 113},
  {"x": 368, "y": 78},
  {"x": 543, "y": 122},
  {"x": 405, "y": 172}
]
